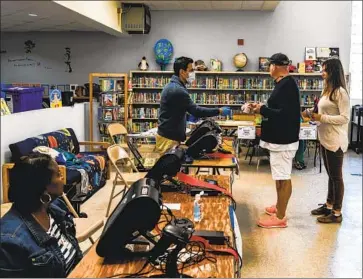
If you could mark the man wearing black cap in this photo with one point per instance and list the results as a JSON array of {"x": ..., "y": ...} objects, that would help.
[{"x": 280, "y": 135}]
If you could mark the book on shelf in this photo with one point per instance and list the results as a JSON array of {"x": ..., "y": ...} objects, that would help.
[
  {"x": 227, "y": 98},
  {"x": 111, "y": 114},
  {"x": 112, "y": 84},
  {"x": 301, "y": 68},
  {"x": 147, "y": 97},
  {"x": 231, "y": 83},
  {"x": 153, "y": 82},
  {"x": 112, "y": 99},
  {"x": 141, "y": 113},
  {"x": 310, "y": 84},
  {"x": 139, "y": 127}
]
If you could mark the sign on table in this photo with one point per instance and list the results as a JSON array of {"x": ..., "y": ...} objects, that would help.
[
  {"x": 246, "y": 132},
  {"x": 308, "y": 133}
]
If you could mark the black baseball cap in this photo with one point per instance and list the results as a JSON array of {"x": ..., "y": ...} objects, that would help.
[{"x": 279, "y": 59}]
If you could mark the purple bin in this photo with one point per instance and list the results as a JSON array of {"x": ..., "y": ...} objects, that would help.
[{"x": 25, "y": 98}]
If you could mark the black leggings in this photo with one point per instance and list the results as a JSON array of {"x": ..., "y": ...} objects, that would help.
[{"x": 333, "y": 162}]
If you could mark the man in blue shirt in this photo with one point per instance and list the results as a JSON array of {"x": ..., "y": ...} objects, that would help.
[{"x": 175, "y": 103}]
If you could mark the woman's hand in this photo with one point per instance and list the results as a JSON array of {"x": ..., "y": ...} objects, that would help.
[{"x": 316, "y": 116}]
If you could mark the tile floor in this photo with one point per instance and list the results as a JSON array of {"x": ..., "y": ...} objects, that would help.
[{"x": 304, "y": 249}]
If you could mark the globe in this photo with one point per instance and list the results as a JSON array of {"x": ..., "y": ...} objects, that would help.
[
  {"x": 163, "y": 50},
  {"x": 240, "y": 61}
]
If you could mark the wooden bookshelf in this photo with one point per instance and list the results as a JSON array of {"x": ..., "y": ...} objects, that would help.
[
  {"x": 113, "y": 79},
  {"x": 211, "y": 89}
]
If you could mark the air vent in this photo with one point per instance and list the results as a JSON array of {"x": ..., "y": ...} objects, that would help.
[{"x": 136, "y": 18}]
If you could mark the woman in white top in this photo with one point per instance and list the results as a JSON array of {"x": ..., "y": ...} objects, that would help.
[{"x": 333, "y": 115}]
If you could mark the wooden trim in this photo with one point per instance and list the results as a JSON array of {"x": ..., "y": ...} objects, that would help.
[{"x": 6, "y": 182}]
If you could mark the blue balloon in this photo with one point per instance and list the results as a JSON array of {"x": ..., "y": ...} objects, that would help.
[{"x": 163, "y": 50}]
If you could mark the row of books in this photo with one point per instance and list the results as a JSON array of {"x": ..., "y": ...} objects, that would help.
[
  {"x": 222, "y": 98},
  {"x": 112, "y": 84},
  {"x": 112, "y": 99},
  {"x": 145, "y": 112},
  {"x": 159, "y": 81},
  {"x": 232, "y": 83},
  {"x": 146, "y": 97},
  {"x": 251, "y": 83},
  {"x": 314, "y": 84},
  {"x": 111, "y": 114},
  {"x": 139, "y": 127}
]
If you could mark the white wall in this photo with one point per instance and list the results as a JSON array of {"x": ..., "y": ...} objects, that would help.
[
  {"x": 293, "y": 26},
  {"x": 19, "y": 126}
]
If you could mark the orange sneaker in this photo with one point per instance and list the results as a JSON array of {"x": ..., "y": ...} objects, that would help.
[
  {"x": 272, "y": 222},
  {"x": 271, "y": 210}
]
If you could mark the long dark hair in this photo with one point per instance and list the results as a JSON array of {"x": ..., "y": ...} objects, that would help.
[
  {"x": 28, "y": 180},
  {"x": 335, "y": 80}
]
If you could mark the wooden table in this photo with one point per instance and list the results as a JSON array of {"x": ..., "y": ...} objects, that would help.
[
  {"x": 215, "y": 165},
  {"x": 215, "y": 217}
]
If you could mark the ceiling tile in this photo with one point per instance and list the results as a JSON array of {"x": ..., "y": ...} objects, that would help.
[
  {"x": 10, "y": 7},
  {"x": 226, "y": 5},
  {"x": 196, "y": 5},
  {"x": 165, "y": 5},
  {"x": 270, "y": 5},
  {"x": 252, "y": 5}
]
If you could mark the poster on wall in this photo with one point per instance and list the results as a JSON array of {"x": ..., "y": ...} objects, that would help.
[{"x": 55, "y": 98}]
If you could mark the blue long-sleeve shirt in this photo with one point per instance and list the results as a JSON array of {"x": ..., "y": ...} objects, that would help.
[{"x": 174, "y": 104}]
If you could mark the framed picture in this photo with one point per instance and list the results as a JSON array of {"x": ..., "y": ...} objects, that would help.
[
  {"x": 216, "y": 65},
  {"x": 46, "y": 89},
  {"x": 61, "y": 87},
  {"x": 334, "y": 52},
  {"x": 263, "y": 64},
  {"x": 322, "y": 52},
  {"x": 310, "y": 53}
]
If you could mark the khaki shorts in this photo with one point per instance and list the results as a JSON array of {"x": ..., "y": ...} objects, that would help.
[
  {"x": 281, "y": 164},
  {"x": 163, "y": 145}
]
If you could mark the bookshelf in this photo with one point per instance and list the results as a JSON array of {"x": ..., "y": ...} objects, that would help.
[
  {"x": 144, "y": 99},
  {"x": 112, "y": 102},
  {"x": 210, "y": 89}
]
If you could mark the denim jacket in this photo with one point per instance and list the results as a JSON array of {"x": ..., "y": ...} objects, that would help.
[{"x": 28, "y": 251}]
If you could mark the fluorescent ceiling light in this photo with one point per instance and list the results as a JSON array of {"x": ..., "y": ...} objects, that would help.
[{"x": 32, "y": 15}]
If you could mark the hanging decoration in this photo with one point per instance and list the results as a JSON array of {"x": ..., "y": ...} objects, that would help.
[
  {"x": 163, "y": 50},
  {"x": 29, "y": 45},
  {"x": 67, "y": 57}
]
